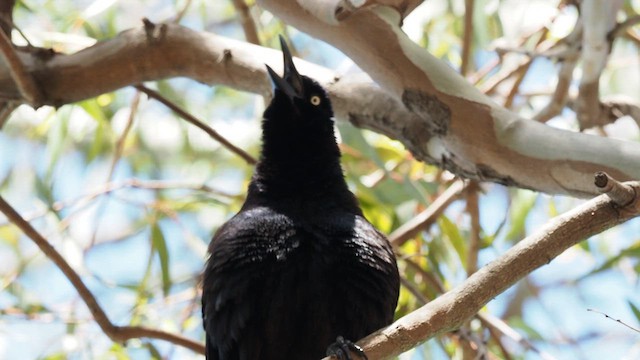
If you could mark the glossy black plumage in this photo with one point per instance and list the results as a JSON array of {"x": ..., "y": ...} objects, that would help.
[{"x": 298, "y": 265}]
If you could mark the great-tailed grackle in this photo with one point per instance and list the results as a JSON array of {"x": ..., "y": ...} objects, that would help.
[{"x": 299, "y": 265}]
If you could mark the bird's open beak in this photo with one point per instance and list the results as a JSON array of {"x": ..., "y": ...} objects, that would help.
[{"x": 291, "y": 82}]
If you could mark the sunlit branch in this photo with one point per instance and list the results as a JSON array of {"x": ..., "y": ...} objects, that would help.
[{"x": 450, "y": 310}]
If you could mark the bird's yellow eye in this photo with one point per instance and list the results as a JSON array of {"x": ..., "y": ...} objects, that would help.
[{"x": 315, "y": 100}]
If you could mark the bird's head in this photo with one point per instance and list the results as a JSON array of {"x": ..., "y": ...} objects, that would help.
[
  {"x": 297, "y": 98},
  {"x": 299, "y": 149}
]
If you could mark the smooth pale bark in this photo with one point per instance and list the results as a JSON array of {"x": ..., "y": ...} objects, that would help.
[
  {"x": 424, "y": 104},
  {"x": 469, "y": 134}
]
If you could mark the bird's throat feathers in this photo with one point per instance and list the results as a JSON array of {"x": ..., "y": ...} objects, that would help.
[{"x": 299, "y": 150}]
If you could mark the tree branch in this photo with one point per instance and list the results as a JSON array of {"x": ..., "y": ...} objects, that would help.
[
  {"x": 449, "y": 311},
  {"x": 248, "y": 25},
  {"x": 598, "y": 20},
  {"x": 423, "y": 220},
  {"x": 199, "y": 124},
  {"x": 470, "y": 135},
  {"x": 6, "y": 16},
  {"x": 115, "y": 333},
  {"x": 467, "y": 39},
  {"x": 435, "y": 113},
  {"x": 334, "y": 11}
]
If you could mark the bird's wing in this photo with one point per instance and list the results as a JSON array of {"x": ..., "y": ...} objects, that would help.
[
  {"x": 373, "y": 280},
  {"x": 242, "y": 252}
]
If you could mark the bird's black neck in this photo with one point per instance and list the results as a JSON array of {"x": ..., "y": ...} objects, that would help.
[{"x": 301, "y": 171}]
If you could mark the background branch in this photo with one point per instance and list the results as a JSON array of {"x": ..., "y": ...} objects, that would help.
[
  {"x": 427, "y": 217},
  {"x": 116, "y": 333},
  {"x": 248, "y": 25},
  {"x": 199, "y": 124},
  {"x": 449, "y": 311},
  {"x": 23, "y": 79}
]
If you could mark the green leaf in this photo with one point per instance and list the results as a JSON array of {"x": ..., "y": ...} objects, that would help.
[
  {"x": 44, "y": 190},
  {"x": 631, "y": 251},
  {"x": 118, "y": 352},
  {"x": 635, "y": 310},
  {"x": 356, "y": 139},
  {"x": 452, "y": 233},
  {"x": 522, "y": 203},
  {"x": 56, "y": 356},
  {"x": 153, "y": 351},
  {"x": 160, "y": 247}
]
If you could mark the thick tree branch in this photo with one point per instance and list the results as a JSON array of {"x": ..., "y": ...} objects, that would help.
[
  {"x": 470, "y": 134},
  {"x": 334, "y": 11},
  {"x": 450, "y": 310},
  {"x": 115, "y": 333},
  {"x": 435, "y": 113},
  {"x": 598, "y": 18}
]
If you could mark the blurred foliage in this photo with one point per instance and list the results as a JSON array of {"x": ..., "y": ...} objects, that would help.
[{"x": 131, "y": 194}]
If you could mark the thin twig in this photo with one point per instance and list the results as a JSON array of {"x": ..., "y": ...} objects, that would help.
[
  {"x": 492, "y": 84},
  {"x": 248, "y": 25},
  {"x": 24, "y": 81},
  {"x": 85, "y": 200},
  {"x": 119, "y": 149},
  {"x": 561, "y": 91},
  {"x": 413, "y": 289},
  {"x": 622, "y": 194},
  {"x": 427, "y": 276},
  {"x": 201, "y": 125},
  {"x": 497, "y": 338},
  {"x": 565, "y": 75},
  {"x": 623, "y": 26},
  {"x": 522, "y": 72},
  {"x": 496, "y": 324},
  {"x": 467, "y": 37},
  {"x": 473, "y": 209},
  {"x": 616, "y": 106},
  {"x": 182, "y": 12},
  {"x": 616, "y": 320},
  {"x": 6, "y": 109},
  {"x": 487, "y": 68},
  {"x": 115, "y": 333},
  {"x": 427, "y": 217}
]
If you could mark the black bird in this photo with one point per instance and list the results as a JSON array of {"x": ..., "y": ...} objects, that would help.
[{"x": 299, "y": 266}]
